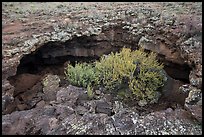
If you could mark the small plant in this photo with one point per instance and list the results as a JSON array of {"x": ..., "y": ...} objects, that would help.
[
  {"x": 81, "y": 75},
  {"x": 90, "y": 91}
]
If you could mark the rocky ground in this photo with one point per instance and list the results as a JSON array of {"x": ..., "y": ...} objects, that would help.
[{"x": 38, "y": 103}]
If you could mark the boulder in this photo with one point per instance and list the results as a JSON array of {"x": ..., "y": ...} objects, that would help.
[
  {"x": 193, "y": 103},
  {"x": 50, "y": 85}
]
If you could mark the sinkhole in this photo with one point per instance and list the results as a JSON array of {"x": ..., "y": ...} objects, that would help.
[{"x": 53, "y": 56}]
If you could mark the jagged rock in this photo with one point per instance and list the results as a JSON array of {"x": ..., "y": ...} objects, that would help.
[
  {"x": 7, "y": 104},
  {"x": 71, "y": 95},
  {"x": 117, "y": 106},
  {"x": 194, "y": 96},
  {"x": 81, "y": 110},
  {"x": 103, "y": 107},
  {"x": 166, "y": 123},
  {"x": 24, "y": 82},
  {"x": 185, "y": 88},
  {"x": 193, "y": 103},
  {"x": 50, "y": 86},
  {"x": 7, "y": 97},
  {"x": 40, "y": 103},
  {"x": 62, "y": 118},
  {"x": 196, "y": 82}
]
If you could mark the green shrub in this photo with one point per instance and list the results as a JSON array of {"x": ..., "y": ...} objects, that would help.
[
  {"x": 150, "y": 78},
  {"x": 81, "y": 75},
  {"x": 134, "y": 72},
  {"x": 115, "y": 69}
]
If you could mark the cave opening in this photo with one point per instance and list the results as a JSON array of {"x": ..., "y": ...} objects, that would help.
[
  {"x": 174, "y": 70},
  {"x": 42, "y": 58},
  {"x": 53, "y": 56}
]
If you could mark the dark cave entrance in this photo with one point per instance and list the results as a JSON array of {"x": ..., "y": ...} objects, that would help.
[
  {"x": 53, "y": 56},
  {"x": 178, "y": 72},
  {"x": 37, "y": 61}
]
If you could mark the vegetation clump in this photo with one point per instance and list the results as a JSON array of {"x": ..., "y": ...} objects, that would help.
[
  {"x": 136, "y": 73},
  {"x": 82, "y": 75}
]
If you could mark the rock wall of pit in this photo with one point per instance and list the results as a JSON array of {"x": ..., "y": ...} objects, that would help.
[{"x": 174, "y": 34}]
